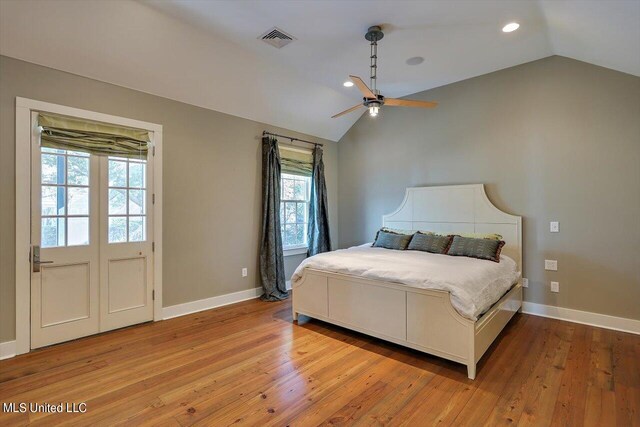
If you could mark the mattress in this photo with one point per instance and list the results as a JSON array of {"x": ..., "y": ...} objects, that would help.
[{"x": 474, "y": 285}]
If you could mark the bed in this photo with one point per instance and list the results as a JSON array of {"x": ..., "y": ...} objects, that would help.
[{"x": 411, "y": 312}]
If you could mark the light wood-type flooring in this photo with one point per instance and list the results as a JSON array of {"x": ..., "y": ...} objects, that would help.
[{"x": 248, "y": 364}]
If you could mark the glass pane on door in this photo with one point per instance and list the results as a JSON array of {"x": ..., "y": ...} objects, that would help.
[
  {"x": 127, "y": 200},
  {"x": 64, "y": 198}
]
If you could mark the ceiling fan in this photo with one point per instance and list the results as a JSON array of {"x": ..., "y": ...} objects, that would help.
[{"x": 372, "y": 98}]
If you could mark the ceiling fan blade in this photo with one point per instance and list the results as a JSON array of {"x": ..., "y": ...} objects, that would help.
[
  {"x": 342, "y": 113},
  {"x": 362, "y": 86},
  {"x": 409, "y": 103}
]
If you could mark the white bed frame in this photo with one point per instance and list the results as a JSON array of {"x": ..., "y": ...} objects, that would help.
[{"x": 417, "y": 318}]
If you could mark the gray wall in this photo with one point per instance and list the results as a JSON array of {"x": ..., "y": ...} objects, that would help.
[
  {"x": 212, "y": 199},
  {"x": 292, "y": 262},
  {"x": 554, "y": 139}
]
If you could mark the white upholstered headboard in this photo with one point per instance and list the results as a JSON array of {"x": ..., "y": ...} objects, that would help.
[{"x": 457, "y": 209}]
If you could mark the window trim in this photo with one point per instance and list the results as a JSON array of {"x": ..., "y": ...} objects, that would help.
[{"x": 295, "y": 250}]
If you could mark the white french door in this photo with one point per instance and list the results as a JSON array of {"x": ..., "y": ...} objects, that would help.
[
  {"x": 126, "y": 268},
  {"x": 91, "y": 250},
  {"x": 65, "y": 250}
]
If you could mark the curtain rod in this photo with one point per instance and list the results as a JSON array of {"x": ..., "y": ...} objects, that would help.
[{"x": 264, "y": 132}]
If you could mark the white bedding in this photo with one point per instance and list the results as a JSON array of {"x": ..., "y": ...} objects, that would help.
[{"x": 474, "y": 284}]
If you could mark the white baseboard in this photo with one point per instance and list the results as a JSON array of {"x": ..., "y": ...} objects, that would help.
[
  {"x": 208, "y": 303},
  {"x": 584, "y": 317},
  {"x": 7, "y": 349}
]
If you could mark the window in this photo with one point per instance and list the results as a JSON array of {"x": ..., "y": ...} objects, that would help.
[
  {"x": 294, "y": 210},
  {"x": 127, "y": 200},
  {"x": 64, "y": 198}
]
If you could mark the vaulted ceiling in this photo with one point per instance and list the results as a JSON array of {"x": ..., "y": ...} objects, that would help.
[{"x": 207, "y": 53}]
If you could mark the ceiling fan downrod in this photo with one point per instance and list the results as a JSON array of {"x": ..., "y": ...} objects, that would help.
[{"x": 373, "y": 35}]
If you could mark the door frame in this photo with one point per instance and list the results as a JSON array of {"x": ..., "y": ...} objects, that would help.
[{"x": 24, "y": 108}]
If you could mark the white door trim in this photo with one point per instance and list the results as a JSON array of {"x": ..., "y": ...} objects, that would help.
[{"x": 24, "y": 107}]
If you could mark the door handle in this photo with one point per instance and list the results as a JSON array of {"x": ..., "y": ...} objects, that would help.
[{"x": 36, "y": 259}]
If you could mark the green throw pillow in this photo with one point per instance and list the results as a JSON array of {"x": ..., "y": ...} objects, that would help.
[{"x": 494, "y": 236}]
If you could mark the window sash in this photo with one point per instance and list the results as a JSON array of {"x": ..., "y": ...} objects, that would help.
[{"x": 296, "y": 224}]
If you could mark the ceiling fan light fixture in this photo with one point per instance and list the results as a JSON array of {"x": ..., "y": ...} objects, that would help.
[
  {"x": 510, "y": 27},
  {"x": 374, "y": 110},
  {"x": 348, "y": 83}
]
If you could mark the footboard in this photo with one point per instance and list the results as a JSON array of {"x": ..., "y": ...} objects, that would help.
[{"x": 420, "y": 319}]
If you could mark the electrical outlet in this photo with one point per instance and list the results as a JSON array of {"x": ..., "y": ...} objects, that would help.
[
  {"x": 244, "y": 272},
  {"x": 525, "y": 282},
  {"x": 555, "y": 286},
  {"x": 554, "y": 227},
  {"x": 551, "y": 265}
]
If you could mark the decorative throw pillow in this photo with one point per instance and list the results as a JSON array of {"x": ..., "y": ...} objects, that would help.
[
  {"x": 389, "y": 240},
  {"x": 399, "y": 231},
  {"x": 488, "y": 249},
  {"x": 428, "y": 242},
  {"x": 492, "y": 236}
]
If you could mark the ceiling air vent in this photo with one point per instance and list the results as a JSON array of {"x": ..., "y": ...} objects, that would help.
[{"x": 276, "y": 37}]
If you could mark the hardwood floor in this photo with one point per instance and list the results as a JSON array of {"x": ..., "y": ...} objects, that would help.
[{"x": 248, "y": 364}]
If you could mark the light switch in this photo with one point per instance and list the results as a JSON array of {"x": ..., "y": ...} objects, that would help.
[
  {"x": 525, "y": 282},
  {"x": 555, "y": 286},
  {"x": 551, "y": 265},
  {"x": 554, "y": 227},
  {"x": 244, "y": 272}
]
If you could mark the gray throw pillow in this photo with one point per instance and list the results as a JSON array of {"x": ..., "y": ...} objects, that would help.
[
  {"x": 488, "y": 249},
  {"x": 434, "y": 243},
  {"x": 388, "y": 240}
]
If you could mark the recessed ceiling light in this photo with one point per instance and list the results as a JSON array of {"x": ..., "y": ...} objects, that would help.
[
  {"x": 416, "y": 60},
  {"x": 512, "y": 26},
  {"x": 348, "y": 83}
]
